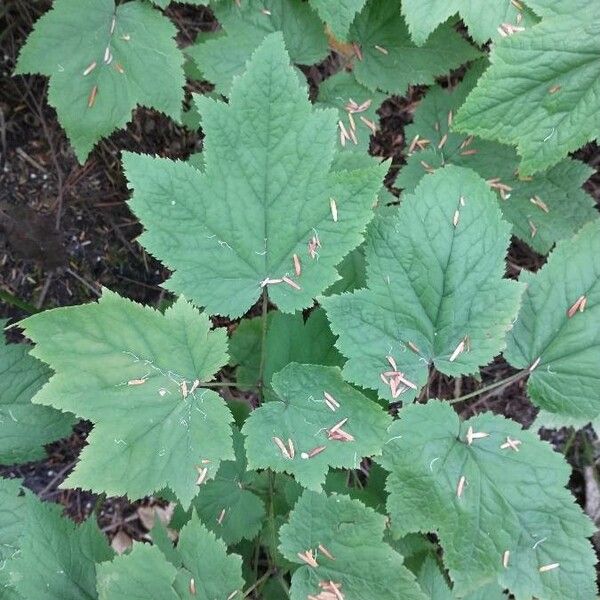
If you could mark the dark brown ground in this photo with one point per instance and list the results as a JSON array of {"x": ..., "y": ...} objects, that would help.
[{"x": 65, "y": 231}]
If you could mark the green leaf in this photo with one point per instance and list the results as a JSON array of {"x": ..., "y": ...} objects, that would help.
[
  {"x": 202, "y": 569},
  {"x": 289, "y": 339},
  {"x": 223, "y": 56},
  {"x": 363, "y": 565},
  {"x": 391, "y": 61},
  {"x": 338, "y": 15},
  {"x": 511, "y": 500},
  {"x": 303, "y": 417},
  {"x": 12, "y": 518},
  {"x": 353, "y": 273},
  {"x": 217, "y": 577},
  {"x": 340, "y": 91},
  {"x": 542, "y": 210},
  {"x": 565, "y": 380},
  {"x": 25, "y": 427},
  {"x": 142, "y": 573},
  {"x": 264, "y": 195},
  {"x": 432, "y": 288},
  {"x": 435, "y": 586},
  {"x": 551, "y": 108},
  {"x": 482, "y": 18},
  {"x": 225, "y": 504},
  {"x": 146, "y": 435},
  {"x": 58, "y": 559},
  {"x": 143, "y": 65}
]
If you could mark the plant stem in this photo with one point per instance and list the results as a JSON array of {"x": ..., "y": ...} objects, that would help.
[
  {"x": 492, "y": 386},
  {"x": 257, "y": 583},
  {"x": 219, "y": 384},
  {"x": 263, "y": 344},
  {"x": 10, "y": 299}
]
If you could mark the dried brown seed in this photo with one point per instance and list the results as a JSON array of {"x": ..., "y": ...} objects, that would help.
[
  {"x": 89, "y": 68},
  {"x": 290, "y": 282}
]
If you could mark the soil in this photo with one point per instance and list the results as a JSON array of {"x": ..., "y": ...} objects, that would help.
[{"x": 66, "y": 232}]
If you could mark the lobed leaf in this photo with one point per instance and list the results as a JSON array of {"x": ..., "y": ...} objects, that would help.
[
  {"x": 435, "y": 291},
  {"x": 562, "y": 351},
  {"x": 512, "y": 499},
  {"x": 484, "y": 20},
  {"x": 222, "y": 56},
  {"x": 391, "y": 61},
  {"x": 551, "y": 108},
  {"x": 360, "y": 563},
  {"x": 25, "y": 427},
  {"x": 264, "y": 195},
  {"x": 123, "y": 366},
  {"x": 542, "y": 209},
  {"x": 136, "y": 62},
  {"x": 303, "y": 418}
]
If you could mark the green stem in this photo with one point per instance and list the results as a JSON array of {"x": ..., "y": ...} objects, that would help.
[
  {"x": 14, "y": 301},
  {"x": 263, "y": 345},
  {"x": 492, "y": 386}
]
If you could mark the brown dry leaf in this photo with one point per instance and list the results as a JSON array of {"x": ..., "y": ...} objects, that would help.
[{"x": 121, "y": 542}]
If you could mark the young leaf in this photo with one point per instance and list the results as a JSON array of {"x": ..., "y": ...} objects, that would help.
[
  {"x": 357, "y": 109},
  {"x": 338, "y": 15},
  {"x": 266, "y": 193},
  {"x": 435, "y": 292},
  {"x": 305, "y": 421},
  {"x": 557, "y": 334},
  {"x": 57, "y": 560},
  {"x": 102, "y": 62},
  {"x": 542, "y": 209},
  {"x": 225, "y": 505},
  {"x": 552, "y": 110},
  {"x": 503, "y": 492},
  {"x": 127, "y": 368},
  {"x": 289, "y": 339},
  {"x": 223, "y": 56},
  {"x": 484, "y": 20},
  {"x": 391, "y": 61},
  {"x": 142, "y": 573},
  {"x": 360, "y": 564},
  {"x": 25, "y": 427}
]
